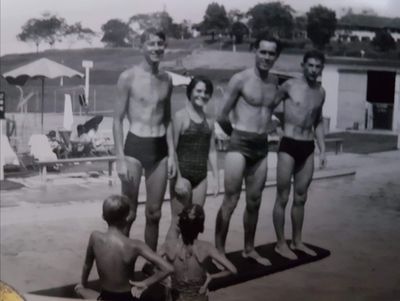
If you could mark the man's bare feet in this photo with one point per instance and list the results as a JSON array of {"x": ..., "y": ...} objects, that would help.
[
  {"x": 302, "y": 247},
  {"x": 257, "y": 257},
  {"x": 284, "y": 251}
]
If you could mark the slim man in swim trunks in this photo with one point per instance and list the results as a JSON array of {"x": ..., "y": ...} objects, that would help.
[
  {"x": 115, "y": 256},
  {"x": 249, "y": 98},
  {"x": 144, "y": 96},
  {"x": 303, "y": 100},
  {"x": 195, "y": 147}
]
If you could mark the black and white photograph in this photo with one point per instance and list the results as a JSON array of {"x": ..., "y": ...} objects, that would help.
[{"x": 206, "y": 150}]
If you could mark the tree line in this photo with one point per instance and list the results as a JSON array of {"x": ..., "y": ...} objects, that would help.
[{"x": 319, "y": 23}]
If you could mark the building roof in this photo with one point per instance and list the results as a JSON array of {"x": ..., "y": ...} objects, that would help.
[{"x": 362, "y": 63}]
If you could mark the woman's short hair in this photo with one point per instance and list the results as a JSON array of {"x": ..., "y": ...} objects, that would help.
[{"x": 199, "y": 79}]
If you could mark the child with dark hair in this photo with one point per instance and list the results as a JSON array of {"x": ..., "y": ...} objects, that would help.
[
  {"x": 115, "y": 256},
  {"x": 188, "y": 256},
  {"x": 195, "y": 149}
]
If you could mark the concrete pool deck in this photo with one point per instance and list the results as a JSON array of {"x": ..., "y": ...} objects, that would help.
[{"x": 44, "y": 231}]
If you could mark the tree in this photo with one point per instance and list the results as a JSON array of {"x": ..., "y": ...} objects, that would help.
[
  {"x": 383, "y": 40},
  {"x": 274, "y": 17},
  {"x": 235, "y": 15},
  {"x": 185, "y": 29},
  {"x": 321, "y": 25},
  {"x": 31, "y": 33},
  {"x": 300, "y": 27},
  {"x": 239, "y": 30},
  {"x": 159, "y": 20},
  {"x": 215, "y": 19},
  {"x": 77, "y": 32},
  {"x": 48, "y": 29},
  {"x": 116, "y": 34}
]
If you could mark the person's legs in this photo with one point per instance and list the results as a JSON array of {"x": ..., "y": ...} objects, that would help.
[
  {"x": 130, "y": 189},
  {"x": 284, "y": 173},
  {"x": 156, "y": 183},
  {"x": 178, "y": 202},
  {"x": 302, "y": 180},
  {"x": 255, "y": 182},
  {"x": 235, "y": 164},
  {"x": 199, "y": 193}
]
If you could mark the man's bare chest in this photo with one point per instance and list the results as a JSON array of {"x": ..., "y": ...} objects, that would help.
[
  {"x": 147, "y": 92},
  {"x": 259, "y": 94},
  {"x": 305, "y": 99}
]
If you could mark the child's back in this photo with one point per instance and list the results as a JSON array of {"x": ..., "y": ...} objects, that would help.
[
  {"x": 189, "y": 272},
  {"x": 115, "y": 258},
  {"x": 188, "y": 256}
]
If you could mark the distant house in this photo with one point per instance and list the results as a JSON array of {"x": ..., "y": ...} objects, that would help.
[
  {"x": 364, "y": 33},
  {"x": 362, "y": 93}
]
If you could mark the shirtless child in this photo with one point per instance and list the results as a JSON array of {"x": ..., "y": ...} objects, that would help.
[
  {"x": 144, "y": 96},
  {"x": 195, "y": 147},
  {"x": 115, "y": 256},
  {"x": 303, "y": 100},
  {"x": 249, "y": 98},
  {"x": 188, "y": 256}
]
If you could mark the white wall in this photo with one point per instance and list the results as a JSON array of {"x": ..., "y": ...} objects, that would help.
[
  {"x": 330, "y": 82},
  {"x": 396, "y": 109},
  {"x": 352, "y": 98}
]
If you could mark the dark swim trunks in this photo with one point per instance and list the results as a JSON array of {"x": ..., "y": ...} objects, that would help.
[
  {"x": 253, "y": 146},
  {"x": 148, "y": 150},
  {"x": 116, "y": 296},
  {"x": 299, "y": 150},
  {"x": 192, "y": 151}
]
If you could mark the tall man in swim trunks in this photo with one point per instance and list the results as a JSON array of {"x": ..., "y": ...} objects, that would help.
[
  {"x": 144, "y": 96},
  {"x": 249, "y": 97},
  {"x": 303, "y": 99}
]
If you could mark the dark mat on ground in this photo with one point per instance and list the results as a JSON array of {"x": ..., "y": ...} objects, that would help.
[
  {"x": 9, "y": 185},
  {"x": 247, "y": 270}
]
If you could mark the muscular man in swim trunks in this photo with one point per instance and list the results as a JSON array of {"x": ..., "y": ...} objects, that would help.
[
  {"x": 249, "y": 98},
  {"x": 144, "y": 95},
  {"x": 303, "y": 100}
]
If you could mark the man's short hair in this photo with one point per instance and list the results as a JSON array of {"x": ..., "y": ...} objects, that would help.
[
  {"x": 152, "y": 31},
  {"x": 115, "y": 209},
  {"x": 315, "y": 54},
  {"x": 266, "y": 36},
  {"x": 199, "y": 79},
  {"x": 191, "y": 223}
]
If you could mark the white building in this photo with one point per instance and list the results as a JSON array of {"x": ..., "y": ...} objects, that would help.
[
  {"x": 348, "y": 33},
  {"x": 362, "y": 93}
]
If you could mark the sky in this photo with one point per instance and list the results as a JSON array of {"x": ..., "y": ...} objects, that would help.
[{"x": 94, "y": 13}]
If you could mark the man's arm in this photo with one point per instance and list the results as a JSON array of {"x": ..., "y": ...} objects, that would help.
[
  {"x": 88, "y": 264},
  {"x": 177, "y": 127},
  {"x": 320, "y": 134},
  {"x": 120, "y": 110},
  {"x": 212, "y": 160},
  {"x": 281, "y": 94},
  {"x": 170, "y": 133},
  {"x": 231, "y": 97}
]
